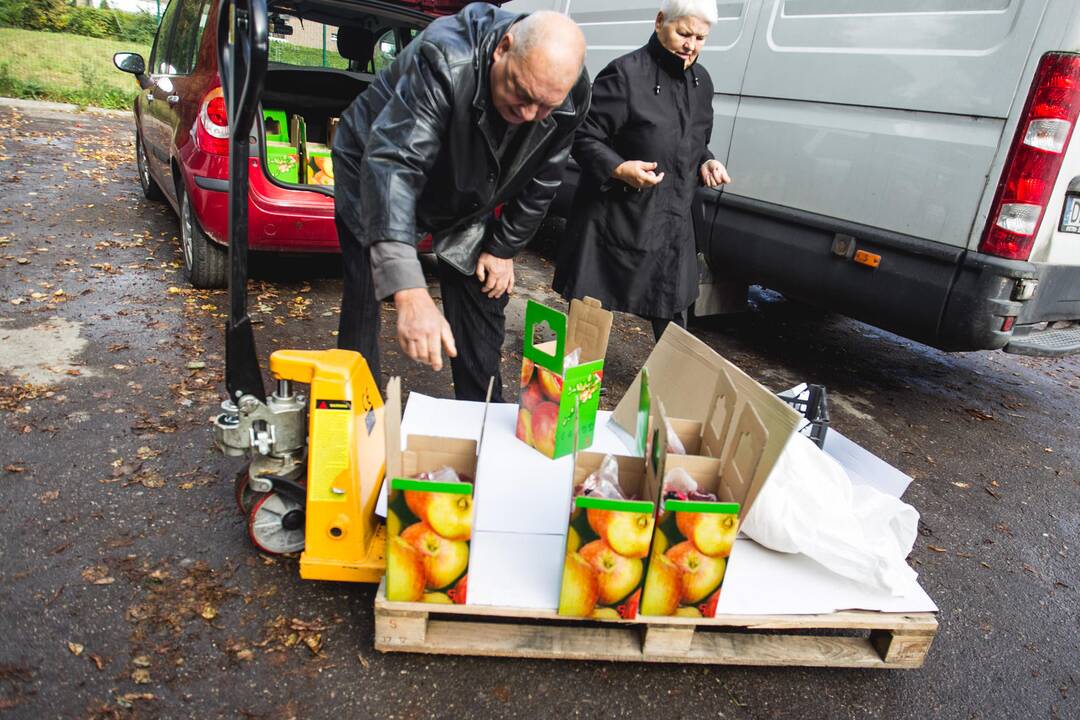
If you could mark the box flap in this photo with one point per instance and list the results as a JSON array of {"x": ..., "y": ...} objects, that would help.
[
  {"x": 542, "y": 353},
  {"x": 589, "y": 329},
  {"x": 483, "y": 418},
  {"x": 393, "y": 427},
  {"x": 714, "y": 431}
]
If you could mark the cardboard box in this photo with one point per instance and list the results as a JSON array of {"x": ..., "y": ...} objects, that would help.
[
  {"x": 275, "y": 126},
  {"x": 607, "y": 543},
  {"x": 558, "y": 402},
  {"x": 331, "y": 130},
  {"x": 298, "y": 137},
  {"x": 743, "y": 424},
  {"x": 320, "y": 166},
  {"x": 428, "y": 523},
  {"x": 283, "y": 162}
]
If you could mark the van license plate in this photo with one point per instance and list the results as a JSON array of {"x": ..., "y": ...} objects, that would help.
[{"x": 1070, "y": 219}]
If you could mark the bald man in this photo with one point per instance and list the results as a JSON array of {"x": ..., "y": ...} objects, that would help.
[{"x": 478, "y": 111}]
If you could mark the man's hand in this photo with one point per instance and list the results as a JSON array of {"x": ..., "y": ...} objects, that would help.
[
  {"x": 714, "y": 174},
  {"x": 638, "y": 174},
  {"x": 496, "y": 275},
  {"x": 422, "y": 331}
]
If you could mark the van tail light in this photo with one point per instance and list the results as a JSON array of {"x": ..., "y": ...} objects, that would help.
[
  {"x": 1035, "y": 158},
  {"x": 212, "y": 127}
]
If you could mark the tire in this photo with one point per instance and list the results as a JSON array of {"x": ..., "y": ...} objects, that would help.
[
  {"x": 150, "y": 189},
  {"x": 205, "y": 263}
]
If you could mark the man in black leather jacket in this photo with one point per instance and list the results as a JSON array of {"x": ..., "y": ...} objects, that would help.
[{"x": 479, "y": 110}]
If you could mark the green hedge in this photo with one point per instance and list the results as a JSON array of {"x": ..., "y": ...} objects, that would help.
[{"x": 58, "y": 16}]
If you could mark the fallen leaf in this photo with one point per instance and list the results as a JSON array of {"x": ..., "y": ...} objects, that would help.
[
  {"x": 245, "y": 655},
  {"x": 196, "y": 365},
  {"x": 141, "y": 676},
  {"x": 142, "y": 661},
  {"x": 962, "y": 485},
  {"x": 363, "y": 661},
  {"x": 15, "y": 468},
  {"x": 936, "y": 549},
  {"x": 98, "y": 661},
  {"x": 314, "y": 643},
  {"x": 49, "y": 496},
  {"x": 75, "y": 648},
  {"x": 208, "y": 612}
]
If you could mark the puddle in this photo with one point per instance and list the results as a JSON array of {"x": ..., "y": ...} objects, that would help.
[{"x": 42, "y": 354}]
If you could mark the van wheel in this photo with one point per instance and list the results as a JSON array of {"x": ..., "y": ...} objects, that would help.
[
  {"x": 150, "y": 189},
  {"x": 205, "y": 263}
]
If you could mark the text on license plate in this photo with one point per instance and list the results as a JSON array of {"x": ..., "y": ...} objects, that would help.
[{"x": 1070, "y": 219}]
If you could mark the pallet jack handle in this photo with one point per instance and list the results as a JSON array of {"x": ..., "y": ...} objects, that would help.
[{"x": 242, "y": 47}]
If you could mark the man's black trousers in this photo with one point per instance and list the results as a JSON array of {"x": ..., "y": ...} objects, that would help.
[{"x": 477, "y": 321}]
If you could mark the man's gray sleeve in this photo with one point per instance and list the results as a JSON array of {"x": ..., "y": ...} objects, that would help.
[{"x": 395, "y": 266}]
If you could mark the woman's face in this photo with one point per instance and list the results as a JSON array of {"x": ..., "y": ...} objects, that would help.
[{"x": 683, "y": 36}]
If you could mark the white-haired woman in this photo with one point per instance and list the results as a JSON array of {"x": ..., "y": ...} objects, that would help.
[{"x": 643, "y": 152}]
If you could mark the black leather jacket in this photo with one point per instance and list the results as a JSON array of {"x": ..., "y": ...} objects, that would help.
[{"x": 418, "y": 150}]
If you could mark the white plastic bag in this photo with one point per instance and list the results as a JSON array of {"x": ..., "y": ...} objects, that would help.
[{"x": 810, "y": 506}]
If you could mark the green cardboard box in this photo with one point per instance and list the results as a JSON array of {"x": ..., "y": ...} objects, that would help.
[
  {"x": 283, "y": 161},
  {"x": 275, "y": 126},
  {"x": 556, "y": 401},
  {"x": 320, "y": 166}
]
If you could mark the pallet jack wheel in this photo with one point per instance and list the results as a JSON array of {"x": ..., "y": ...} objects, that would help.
[
  {"x": 276, "y": 524},
  {"x": 245, "y": 496}
]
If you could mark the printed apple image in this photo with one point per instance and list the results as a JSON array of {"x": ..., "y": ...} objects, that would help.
[
  {"x": 616, "y": 576},
  {"x": 579, "y": 587},
  {"x": 662, "y": 588},
  {"x": 660, "y": 544},
  {"x": 531, "y": 396},
  {"x": 604, "y": 613},
  {"x": 459, "y": 592},
  {"x": 444, "y": 560},
  {"x": 708, "y": 608},
  {"x": 690, "y": 612},
  {"x": 393, "y": 524},
  {"x": 701, "y": 574},
  {"x": 437, "y": 597},
  {"x": 627, "y": 533},
  {"x": 629, "y": 607},
  {"x": 448, "y": 514},
  {"x": 545, "y": 420},
  {"x": 524, "y": 426},
  {"x": 404, "y": 571},
  {"x": 527, "y": 368},
  {"x": 712, "y": 533},
  {"x": 573, "y": 540},
  {"x": 551, "y": 384}
]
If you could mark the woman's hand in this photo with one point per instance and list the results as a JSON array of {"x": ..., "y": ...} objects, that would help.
[
  {"x": 714, "y": 174},
  {"x": 638, "y": 174}
]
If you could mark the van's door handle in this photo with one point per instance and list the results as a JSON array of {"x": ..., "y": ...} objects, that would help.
[{"x": 173, "y": 99}]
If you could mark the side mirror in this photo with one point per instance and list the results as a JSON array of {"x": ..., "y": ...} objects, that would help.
[{"x": 130, "y": 63}]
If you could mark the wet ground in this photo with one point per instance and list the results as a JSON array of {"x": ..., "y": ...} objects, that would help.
[{"x": 129, "y": 588}]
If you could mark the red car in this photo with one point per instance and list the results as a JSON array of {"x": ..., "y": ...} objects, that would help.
[{"x": 323, "y": 53}]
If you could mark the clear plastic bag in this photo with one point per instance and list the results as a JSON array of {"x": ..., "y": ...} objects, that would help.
[
  {"x": 571, "y": 359},
  {"x": 603, "y": 482},
  {"x": 674, "y": 444},
  {"x": 443, "y": 474}
]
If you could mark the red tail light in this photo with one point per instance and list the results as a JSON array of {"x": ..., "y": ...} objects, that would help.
[
  {"x": 212, "y": 127},
  {"x": 1035, "y": 158}
]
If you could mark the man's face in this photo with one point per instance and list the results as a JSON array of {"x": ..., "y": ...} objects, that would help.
[
  {"x": 526, "y": 89},
  {"x": 683, "y": 36}
]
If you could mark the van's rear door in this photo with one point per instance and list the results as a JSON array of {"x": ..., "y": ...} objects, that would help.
[{"x": 887, "y": 114}]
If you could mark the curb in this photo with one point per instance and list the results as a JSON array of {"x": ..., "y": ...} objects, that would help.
[{"x": 43, "y": 106}]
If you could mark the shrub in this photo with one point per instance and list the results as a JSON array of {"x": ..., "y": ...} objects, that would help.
[
  {"x": 90, "y": 22},
  {"x": 56, "y": 16}
]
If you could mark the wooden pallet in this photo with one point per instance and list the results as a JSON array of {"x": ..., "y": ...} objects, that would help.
[{"x": 874, "y": 640}]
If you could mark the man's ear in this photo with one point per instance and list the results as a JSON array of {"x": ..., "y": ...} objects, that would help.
[
  {"x": 503, "y": 48},
  {"x": 659, "y": 20}
]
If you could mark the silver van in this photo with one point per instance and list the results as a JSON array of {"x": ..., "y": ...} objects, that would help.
[{"x": 904, "y": 162}]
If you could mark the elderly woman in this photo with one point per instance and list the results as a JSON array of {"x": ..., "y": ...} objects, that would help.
[{"x": 643, "y": 150}]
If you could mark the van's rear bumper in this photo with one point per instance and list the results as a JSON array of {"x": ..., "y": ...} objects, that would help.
[{"x": 940, "y": 295}]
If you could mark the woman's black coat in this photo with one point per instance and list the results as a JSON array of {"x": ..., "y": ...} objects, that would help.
[{"x": 634, "y": 250}]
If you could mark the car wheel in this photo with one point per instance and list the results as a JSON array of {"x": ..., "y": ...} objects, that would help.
[
  {"x": 205, "y": 263},
  {"x": 150, "y": 188}
]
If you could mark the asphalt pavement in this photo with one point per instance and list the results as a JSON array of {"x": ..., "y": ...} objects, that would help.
[{"x": 129, "y": 588}]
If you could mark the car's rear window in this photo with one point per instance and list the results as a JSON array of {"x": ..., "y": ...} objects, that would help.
[{"x": 305, "y": 43}]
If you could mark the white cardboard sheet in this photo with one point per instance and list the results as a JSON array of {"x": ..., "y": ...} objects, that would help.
[
  {"x": 759, "y": 581},
  {"x": 516, "y": 570}
]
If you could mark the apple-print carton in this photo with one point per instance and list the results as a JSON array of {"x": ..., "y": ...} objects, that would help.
[
  {"x": 428, "y": 520},
  {"x": 558, "y": 400},
  {"x": 694, "y": 538},
  {"x": 607, "y": 544}
]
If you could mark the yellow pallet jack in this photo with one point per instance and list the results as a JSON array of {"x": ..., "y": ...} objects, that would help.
[{"x": 316, "y": 463}]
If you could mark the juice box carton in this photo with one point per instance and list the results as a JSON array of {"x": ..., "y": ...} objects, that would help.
[
  {"x": 283, "y": 161},
  {"x": 320, "y": 166}
]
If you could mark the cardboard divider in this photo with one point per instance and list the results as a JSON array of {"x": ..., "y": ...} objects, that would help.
[
  {"x": 429, "y": 522},
  {"x": 558, "y": 404}
]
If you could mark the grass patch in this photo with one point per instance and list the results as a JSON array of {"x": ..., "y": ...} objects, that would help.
[{"x": 65, "y": 68}]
